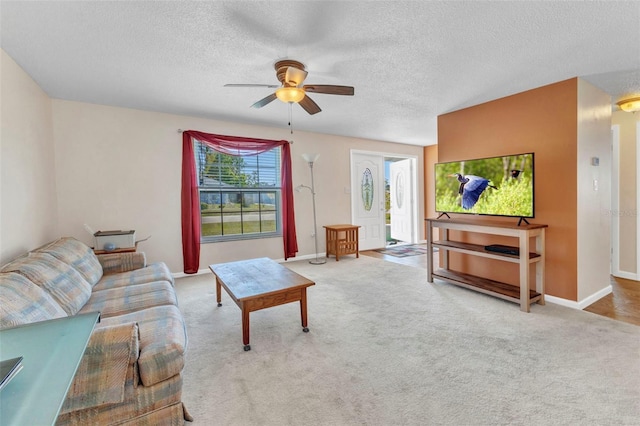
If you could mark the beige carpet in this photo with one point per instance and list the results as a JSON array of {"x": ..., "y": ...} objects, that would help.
[{"x": 387, "y": 348}]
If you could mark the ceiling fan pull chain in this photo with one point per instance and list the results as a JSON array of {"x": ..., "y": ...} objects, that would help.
[{"x": 290, "y": 118}]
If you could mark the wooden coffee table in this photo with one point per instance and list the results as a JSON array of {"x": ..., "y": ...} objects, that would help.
[{"x": 259, "y": 284}]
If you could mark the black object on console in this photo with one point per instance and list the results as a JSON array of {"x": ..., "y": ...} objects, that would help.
[{"x": 499, "y": 248}]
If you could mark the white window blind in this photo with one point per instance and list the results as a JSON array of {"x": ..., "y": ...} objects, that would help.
[{"x": 239, "y": 195}]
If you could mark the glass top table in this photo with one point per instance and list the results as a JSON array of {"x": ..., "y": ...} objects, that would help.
[{"x": 51, "y": 351}]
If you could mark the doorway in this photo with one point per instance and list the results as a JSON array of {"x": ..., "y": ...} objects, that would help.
[
  {"x": 615, "y": 201},
  {"x": 384, "y": 198},
  {"x": 399, "y": 200},
  {"x": 625, "y": 220}
]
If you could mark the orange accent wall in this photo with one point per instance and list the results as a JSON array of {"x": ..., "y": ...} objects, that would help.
[{"x": 543, "y": 121}]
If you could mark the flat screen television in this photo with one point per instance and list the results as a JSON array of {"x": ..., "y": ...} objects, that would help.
[{"x": 497, "y": 186}]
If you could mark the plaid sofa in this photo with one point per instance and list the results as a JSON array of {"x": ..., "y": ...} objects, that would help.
[{"x": 131, "y": 370}]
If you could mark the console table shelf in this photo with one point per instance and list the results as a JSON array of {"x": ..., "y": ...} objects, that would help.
[
  {"x": 479, "y": 250},
  {"x": 483, "y": 285},
  {"x": 522, "y": 293}
]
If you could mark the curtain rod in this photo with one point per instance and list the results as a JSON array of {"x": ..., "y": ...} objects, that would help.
[{"x": 182, "y": 131}]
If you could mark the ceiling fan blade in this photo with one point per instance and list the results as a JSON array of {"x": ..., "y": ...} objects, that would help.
[
  {"x": 252, "y": 85},
  {"x": 264, "y": 101},
  {"x": 309, "y": 105},
  {"x": 295, "y": 76},
  {"x": 329, "y": 89}
]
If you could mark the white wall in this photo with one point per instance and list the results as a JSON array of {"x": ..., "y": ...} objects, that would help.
[
  {"x": 120, "y": 168},
  {"x": 28, "y": 205},
  {"x": 594, "y": 195}
]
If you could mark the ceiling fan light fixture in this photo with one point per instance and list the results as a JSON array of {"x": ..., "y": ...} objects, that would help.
[
  {"x": 290, "y": 94},
  {"x": 629, "y": 103}
]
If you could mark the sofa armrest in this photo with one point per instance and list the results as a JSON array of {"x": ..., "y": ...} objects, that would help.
[
  {"x": 122, "y": 262},
  {"x": 101, "y": 376}
]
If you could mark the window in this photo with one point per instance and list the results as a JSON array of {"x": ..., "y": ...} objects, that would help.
[{"x": 239, "y": 195}]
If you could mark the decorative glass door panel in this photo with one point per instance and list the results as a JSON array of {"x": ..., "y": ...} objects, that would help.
[
  {"x": 401, "y": 203},
  {"x": 367, "y": 199}
]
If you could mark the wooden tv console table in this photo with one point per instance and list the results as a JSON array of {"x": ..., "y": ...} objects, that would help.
[{"x": 523, "y": 295}]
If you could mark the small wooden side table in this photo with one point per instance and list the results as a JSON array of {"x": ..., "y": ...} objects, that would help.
[{"x": 341, "y": 240}]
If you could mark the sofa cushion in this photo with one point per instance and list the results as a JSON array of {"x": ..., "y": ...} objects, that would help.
[
  {"x": 77, "y": 254},
  {"x": 57, "y": 278},
  {"x": 123, "y": 300},
  {"x": 163, "y": 340},
  {"x": 153, "y": 272},
  {"x": 23, "y": 302}
]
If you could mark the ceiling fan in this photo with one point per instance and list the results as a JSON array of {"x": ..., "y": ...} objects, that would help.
[{"x": 291, "y": 75}]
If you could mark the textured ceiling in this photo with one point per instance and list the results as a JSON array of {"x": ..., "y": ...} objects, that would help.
[{"x": 408, "y": 61}]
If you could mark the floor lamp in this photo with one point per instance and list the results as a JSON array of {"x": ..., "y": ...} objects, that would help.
[{"x": 311, "y": 158}]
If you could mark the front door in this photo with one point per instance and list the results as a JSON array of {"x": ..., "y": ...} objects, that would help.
[
  {"x": 401, "y": 189},
  {"x": 367, "y": 199}
]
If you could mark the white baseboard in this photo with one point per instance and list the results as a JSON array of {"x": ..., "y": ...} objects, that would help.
[
  {"x": 182, "y": 274},
  {"x": 626, "y": 275},
  {"x": 581, "y": 304},
  {"x": 304, "y": 257},
  {"x": 560, "y": 301}
]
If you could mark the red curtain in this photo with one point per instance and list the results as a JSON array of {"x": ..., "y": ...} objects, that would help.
[{"x": 231, "y": 145}]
